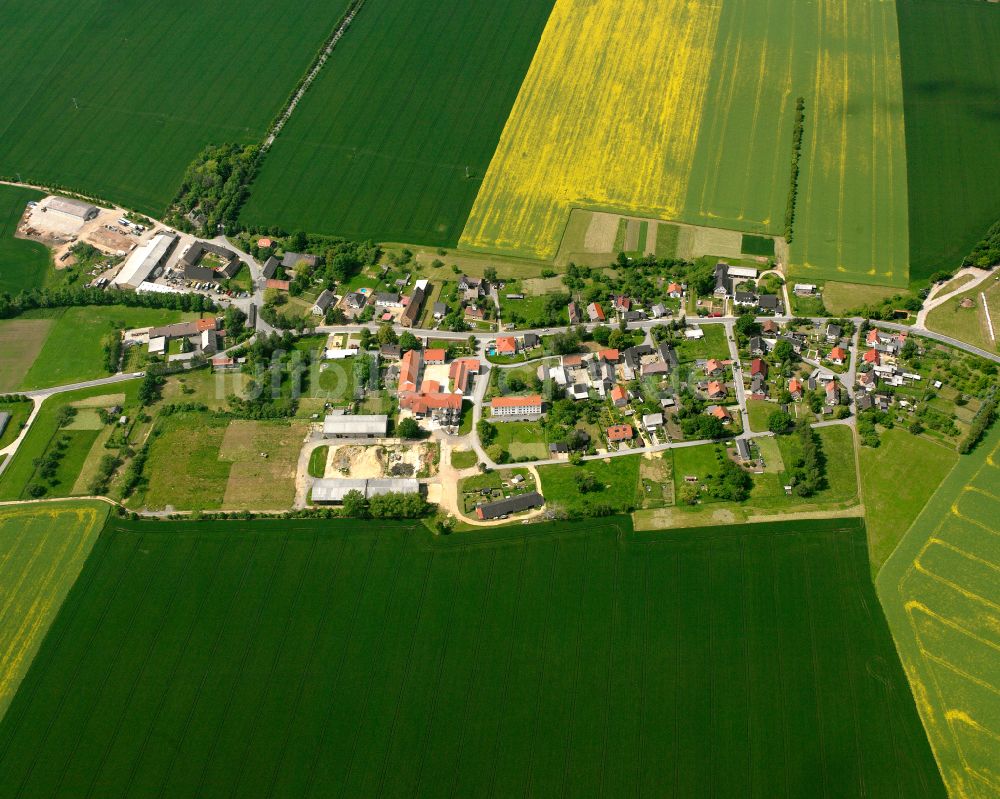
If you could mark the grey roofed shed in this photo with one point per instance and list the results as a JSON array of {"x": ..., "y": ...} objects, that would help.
[
  {"x": 271, "y": 267},
  {"x": 335, "y": 489},
  {"x": 356, "y": 426},
  {"x": 78, "y": 208}
]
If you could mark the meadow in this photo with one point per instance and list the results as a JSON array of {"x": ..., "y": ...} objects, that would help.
[
  {"x": 21, "y": 471},
  {"x": 393, "y": 139},
  {"x": 617, "y": 486},
  {"x": 42, "y": 549},
  {"x": 106, "y": 102},
  {"x": 940, "y": 592},
  {"x": 326, "y": 658},
  {"x": 23, "y": 264},
  {"x": 970, "y": 324},
  {"x": 951, "y": 92},
  {"x": 692, "y": 121},
  {"x": 73, "y": 345},
  {"x": 894, "y": 492}
]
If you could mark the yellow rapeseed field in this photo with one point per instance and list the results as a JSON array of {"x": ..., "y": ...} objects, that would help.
[{"x": 607, "y": 117}]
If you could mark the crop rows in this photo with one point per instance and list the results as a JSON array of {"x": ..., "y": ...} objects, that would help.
[
  {"x": 112, "y": 103},
  {"x": 940, "y": 592},
  {"x": 323, "y": 658},
  {"x": 392, "y": 140}
]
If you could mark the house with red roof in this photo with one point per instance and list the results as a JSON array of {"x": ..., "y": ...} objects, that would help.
[
  {"x": 619, "y": 396},
  {"x": 716, "y": 390},
  {"x": 620, "y": 432},
  {"x": 435, "y": 356},
  {"x": 595, "y": 312},
  {"x": 675, "y": 290},
  {"x": 409, "y": 371},
  {"x": 838, "y": 355},
  {"x": 714, "y": 367},
  {"x": 795, "y": 388},
  {"x": 758, "y": 366},
  {"x": 872, "y": 357},
  {"x": 506, "y": 345},
  {"x": 719, "y": 413},
  {"x": 444, "y": 408},
  {"x": 460, "y": 374},
  {"x": 611, "y": 356}
]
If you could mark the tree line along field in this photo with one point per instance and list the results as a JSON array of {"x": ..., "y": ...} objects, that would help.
[
  {"x": 22, "y": 263},
  {"x": 318, "y": 658},
  {"x": 117, "y": 100},
  {"x": 393, "y": 139},
  {"x": 940, "y": 592},
  {"x": 42, "y": 550},
  {"x": 692, "y": 121},
  {"x": 951, "y": 92}
]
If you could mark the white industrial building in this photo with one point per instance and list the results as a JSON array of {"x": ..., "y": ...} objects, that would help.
[
  {"x": 75, "y": 208},
  {"x": 143, "y": 260},
  {"x": 345, "y": 426},
  {"x": 333, "y": 490}
]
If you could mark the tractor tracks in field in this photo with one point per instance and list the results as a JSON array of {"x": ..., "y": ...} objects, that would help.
[{"x": 314, "y": 69}]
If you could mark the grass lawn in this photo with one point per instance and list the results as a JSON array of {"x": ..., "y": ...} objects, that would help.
[
  {"x": 15, "y": 480},
  {"x": 757, "y": 245},
  {"x": 897, "y": 479},
  {"x": 617, "y": 478},
  {"x": 203, "y": 386},
  {"x": 759, "y": 412},
  {"x": 183, "y": 469},
  {"x": 712, "y": 345},
  {"x": 840, "y": 297},
  {"x": 970, "y": 324},
  {"x": 42, "y": 549},
  {"x": 463, "y": 458},
  {"x": 23, "y": 264},
  {"x": 523, "y": 440},
  {"x": 264, "y": 457},
  {"x": 73, "y": 352},
  {"x": 21, "y": 340},
  {"x": 841, "y": 473},
  {"x": 356, "y": 159},
  {"x": 317, "y": 461},
  {"x": 242, "y": 280},
  {"x": 343, "y": 657},
  {"x": 19, "y": 413}
]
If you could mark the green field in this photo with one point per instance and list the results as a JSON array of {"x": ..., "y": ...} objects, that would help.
[
  {"x": 894, "y": 491},
  {"x": 22, "y": 263},
  {"x": 941, "y": 593},
  {"x": 99, "y": 100},
  {"x": 322, "y": 658},
  {"x": 463, "y": 459},
  {"x": 393, "y": 139},
  {"x": 21, "y": 472},
  {"x": 617, "y": 481},
  {"x": 842, "y": 58},
  {"x": 970, "y": 324},
  {"x": 951, "y": 92},
  {"x": 73, "y": 349},
  {"x": 42, "y": 549}
]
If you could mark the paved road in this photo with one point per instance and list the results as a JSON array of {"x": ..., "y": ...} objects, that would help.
[{"x": 103, "y": 381}]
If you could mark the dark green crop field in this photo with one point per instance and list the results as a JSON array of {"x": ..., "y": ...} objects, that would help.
[
  {"x": 414, "y": 95},
  {"x": 951, "y": 91},
  {"x": 309, "y": 658},
  {"x": 117, "y": 98},
  {"x": 23, "y": 264}
]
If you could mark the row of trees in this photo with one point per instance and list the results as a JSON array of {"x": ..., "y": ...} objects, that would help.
[
  {"x": 385, "y": 506},
  {"x": 793, "y": 183},
  {"x": 65, "y": 297}
]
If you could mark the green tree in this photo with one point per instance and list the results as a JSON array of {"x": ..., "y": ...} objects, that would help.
[
  {"x": 355, "y": 505},
  {"x": 408, "y": 428},
  {"x": 386, "y": 335},
  {"x": 487, "y": 432},
  {"x": 780, "y": 422}
]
